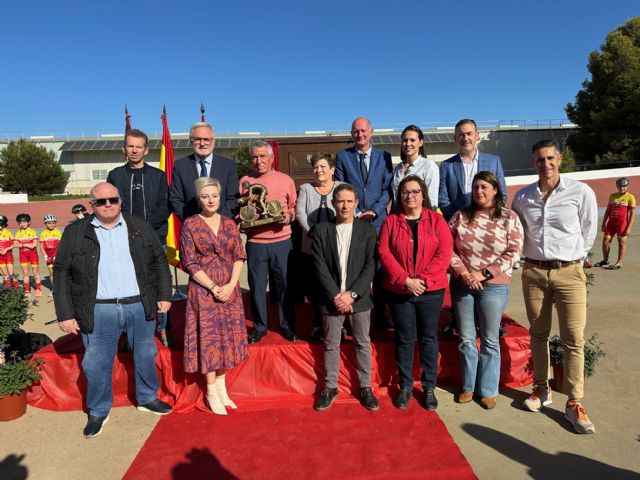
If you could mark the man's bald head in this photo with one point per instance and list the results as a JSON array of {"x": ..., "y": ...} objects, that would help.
[{"x": 105, "y": 200}]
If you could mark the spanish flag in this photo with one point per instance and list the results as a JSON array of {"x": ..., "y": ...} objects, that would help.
[{"x": 166, "y": 165}]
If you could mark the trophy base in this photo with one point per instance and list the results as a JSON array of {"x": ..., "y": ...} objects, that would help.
[{"x": 263, "y": 221}]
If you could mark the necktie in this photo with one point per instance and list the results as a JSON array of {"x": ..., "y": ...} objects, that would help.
[
  {"x": 363, "y": 167},
  {"x": 203, "y": 168}
]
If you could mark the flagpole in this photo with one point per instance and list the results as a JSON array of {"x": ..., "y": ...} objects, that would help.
[{"x": 177, "y": 294}]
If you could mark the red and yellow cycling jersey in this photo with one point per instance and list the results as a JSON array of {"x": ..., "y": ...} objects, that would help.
[
  {"x": 26, "y": 235},
  {"x": 50, "y": 239},
  {"x": 619, "y": 206},
  {"x": 6, "y": 239}
]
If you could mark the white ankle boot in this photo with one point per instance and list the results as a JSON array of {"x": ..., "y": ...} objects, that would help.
[
  {"x": 215, "y": 403},
  {"x": 221, "y": 388}
]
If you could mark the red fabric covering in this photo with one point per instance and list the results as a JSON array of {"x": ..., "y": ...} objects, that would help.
[
  {"x": 275, "y": 146},
  {"x": 276, "y": 371},
  {"x": 347, "y": 442}
]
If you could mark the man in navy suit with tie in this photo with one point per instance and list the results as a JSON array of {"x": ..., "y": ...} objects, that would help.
[
  {"x": 456, "y": 173},
  {"x": 202, "y": 163},
  {"x": 369, "y": 170}
]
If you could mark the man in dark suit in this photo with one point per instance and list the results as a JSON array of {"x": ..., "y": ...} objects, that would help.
[
  {"x": 369, "y": 170},
  {"x": 343, "y": 251},
  {"x": 456, "y": 173},
  {"x": 202, "y": 163}
]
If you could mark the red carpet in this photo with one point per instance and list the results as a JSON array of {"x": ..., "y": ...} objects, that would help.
[{"x": 344, "y": 442}]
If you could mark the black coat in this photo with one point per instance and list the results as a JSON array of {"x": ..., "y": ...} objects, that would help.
[
  {"x": 361, "y": 265},
  {"x": 76, "y": 270},
  {"x": 156, "y": 195},
  {"x": 182, "y": 193}
]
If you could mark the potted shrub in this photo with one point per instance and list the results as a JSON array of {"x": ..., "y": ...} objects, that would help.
[
  {"x": 16, "y": 373},
  {"x": 593, "y": 352}
]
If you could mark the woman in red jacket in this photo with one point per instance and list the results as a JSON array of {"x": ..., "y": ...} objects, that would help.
[{"x": 415, "y": 248}]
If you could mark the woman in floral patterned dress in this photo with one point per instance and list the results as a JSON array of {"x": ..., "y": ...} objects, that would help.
[{"x": 215, "y": 337}]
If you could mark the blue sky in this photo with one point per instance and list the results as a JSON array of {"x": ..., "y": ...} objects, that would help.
[{"x": 274, "y": 66}]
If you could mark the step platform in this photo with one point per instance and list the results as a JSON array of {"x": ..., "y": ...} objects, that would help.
[{"x": 277, "y": 372}]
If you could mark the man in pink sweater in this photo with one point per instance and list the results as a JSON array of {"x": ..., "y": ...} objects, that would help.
[{"x": 269, "y": 246}]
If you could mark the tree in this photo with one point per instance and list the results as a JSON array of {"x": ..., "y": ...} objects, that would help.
[
  {"x": 607, "y": 108},
  {"x": 30, "y": 168},
  {"x": 243, "y": 159},
  {"x": 568, "y": 161}
]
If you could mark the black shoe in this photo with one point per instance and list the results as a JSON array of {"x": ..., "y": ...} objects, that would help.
[
  {"x": 94, "y": 426},
  {"x": 450, "y": 330},
  {"x": 326, "y": 399},
  {"x": 256, "y": 336},
  {"x": 316, "y": 335},
  {"x": 402, "y": 400},
  {"x": 290, "y": 335},
  {"x": 157, "y": 407},
  {"x": 368, "y": 399},
  {"x": 430, "y": 400}
]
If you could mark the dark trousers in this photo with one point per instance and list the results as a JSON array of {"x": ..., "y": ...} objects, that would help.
[
  {"x": 417, "y": 318},
  {"x": 268, "y": 263},
  {"x": 309, "y": 280}
]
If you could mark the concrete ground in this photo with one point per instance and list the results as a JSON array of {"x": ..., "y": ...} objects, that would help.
[{"x": 506, "y": 442}]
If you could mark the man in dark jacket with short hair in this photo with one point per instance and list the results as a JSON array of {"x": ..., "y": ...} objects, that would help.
[
  {"x": 112, "y": 277},
  {"x": 143, "y": 189}
]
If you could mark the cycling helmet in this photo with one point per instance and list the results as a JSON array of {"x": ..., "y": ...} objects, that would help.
[
  {"x": 49, "y": 217},
  {"x": 23, "y": 217},
  {"x": 4, "y": 221},
  {"x": 78, "y": 208},
  {"x": 622, "y": 182}
]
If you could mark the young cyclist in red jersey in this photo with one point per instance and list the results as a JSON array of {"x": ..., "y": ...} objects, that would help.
[
  {"x": 6, "y": 253},
  {"x": 49, "y": 240},
  {"x": 617, "y": 220},
  {"x": 26, "y": 240}
]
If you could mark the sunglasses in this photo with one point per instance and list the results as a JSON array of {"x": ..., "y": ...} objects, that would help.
[{"x": 101, "y": 202}]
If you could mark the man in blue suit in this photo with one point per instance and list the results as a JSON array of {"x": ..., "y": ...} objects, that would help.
[
  {"x": 369, "y": 170},
  {"x": 456, "y": 173},
  {"x": 202, "y": 163}
]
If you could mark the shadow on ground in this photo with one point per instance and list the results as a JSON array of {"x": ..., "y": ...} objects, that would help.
[
  {"x": 11, "y": 468},
  {"x": 201, "y": 463},
  {"x": 547, "y": 466}
]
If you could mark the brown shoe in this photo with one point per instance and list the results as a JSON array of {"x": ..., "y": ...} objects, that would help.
[
  {"x": 464, "y": 397},
  {"x": 488, "y": 402}
]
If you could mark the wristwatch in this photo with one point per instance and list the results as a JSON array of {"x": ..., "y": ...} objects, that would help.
[
  {"x": 486, "y": 274},
  {"x": 354, "y": 295}
]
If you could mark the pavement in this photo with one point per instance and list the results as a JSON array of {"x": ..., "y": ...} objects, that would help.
[{"x": 506, "y": 442}]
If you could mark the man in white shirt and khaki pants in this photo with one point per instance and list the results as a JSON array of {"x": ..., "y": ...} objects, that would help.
[{"x": 560, "y": 218}]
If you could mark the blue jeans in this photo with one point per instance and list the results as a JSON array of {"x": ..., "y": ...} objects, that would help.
[
  {"x": 101, "y": 345},
  {"x": 480, "y": 375},
  {"x": 162, "y": 321},
  {"x": 267, "y": 263},
  {"x": 416, "y": 317}
]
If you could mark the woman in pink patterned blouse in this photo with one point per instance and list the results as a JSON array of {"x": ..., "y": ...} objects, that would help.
[{"x": 487, "y": 242}]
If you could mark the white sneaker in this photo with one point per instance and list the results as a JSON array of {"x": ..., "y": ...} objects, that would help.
[
  {"x": 577, "y": 415},
  {"x": 541, "y": 397}
]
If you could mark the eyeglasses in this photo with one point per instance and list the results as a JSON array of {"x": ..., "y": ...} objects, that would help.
[
  {"x": 202, "y": 140},
  {"x": 101, "y": 202},
  {"x": 406, "y": 193}
]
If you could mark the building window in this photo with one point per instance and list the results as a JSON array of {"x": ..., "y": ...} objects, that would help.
[{"x": 99, "y": 174}]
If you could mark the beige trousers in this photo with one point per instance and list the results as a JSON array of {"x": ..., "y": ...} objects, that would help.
[{"x": 566, "y": 287}]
